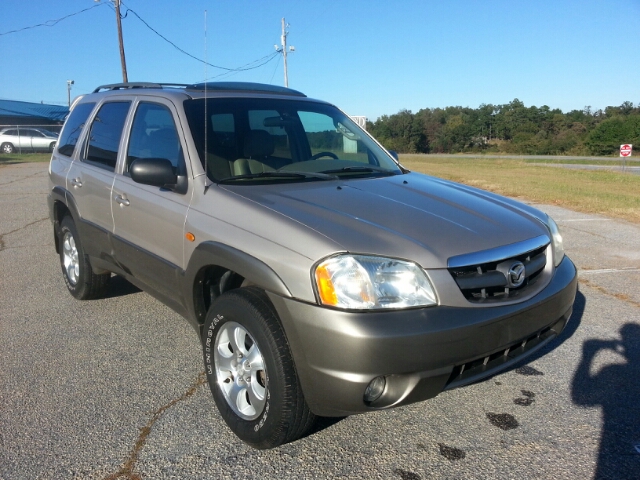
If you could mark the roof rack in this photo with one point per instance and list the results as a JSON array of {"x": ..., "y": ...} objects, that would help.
[
  {"x": 245, "y": 87},
  {"x": 213, "y": 86},
  {"x": 129, "y": 85}
]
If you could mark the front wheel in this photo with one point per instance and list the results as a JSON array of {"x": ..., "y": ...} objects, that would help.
[
  {"x": 8, "y": 148},
  {"x": 251, "y": 372},
  {"x": 78, "y": 275}
]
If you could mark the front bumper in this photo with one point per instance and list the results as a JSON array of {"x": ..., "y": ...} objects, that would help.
[{"x": 421, "y": 351}]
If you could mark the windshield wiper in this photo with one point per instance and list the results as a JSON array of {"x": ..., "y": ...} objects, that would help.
[
  {"x": 361, "y": 169},
  {"x": 276, "y": 174}
]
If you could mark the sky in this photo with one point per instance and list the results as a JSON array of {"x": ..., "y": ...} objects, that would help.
[{"x": 368, "y": 57}]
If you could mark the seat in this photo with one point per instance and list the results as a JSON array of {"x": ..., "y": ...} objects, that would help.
[
  {"x": 258, "y": 146},
  {"x": 164, "y": 143}
]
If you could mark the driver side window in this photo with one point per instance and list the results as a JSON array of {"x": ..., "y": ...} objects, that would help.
[{"x": 154, "y": 135}]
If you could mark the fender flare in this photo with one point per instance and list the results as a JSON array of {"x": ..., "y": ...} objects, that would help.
[
  {"x": 61, "y": 195},
  {"x": 221, "y": 255}
]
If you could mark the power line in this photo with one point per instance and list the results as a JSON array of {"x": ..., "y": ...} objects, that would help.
[
  {"x": 276, "y": 68},
  {"x": 51, "y": 23},
  {"x": 243, "y": 68},
  {"x": 239, "y": 69}
]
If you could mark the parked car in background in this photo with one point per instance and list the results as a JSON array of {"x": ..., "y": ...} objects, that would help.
[{"x": 28, "y": 139}]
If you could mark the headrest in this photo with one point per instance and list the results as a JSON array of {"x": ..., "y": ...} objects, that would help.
[{"x": 258, "y": 143}]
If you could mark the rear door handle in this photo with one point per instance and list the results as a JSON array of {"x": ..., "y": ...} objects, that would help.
[
  {"x": 76, "y": 182},
  {"x": 122, "y": 201}
]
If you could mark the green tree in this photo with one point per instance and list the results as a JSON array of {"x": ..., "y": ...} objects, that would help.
[{"x": 608, "y": 135}]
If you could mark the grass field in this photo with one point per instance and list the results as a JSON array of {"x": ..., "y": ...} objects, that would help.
[
  {"x": 24, "y": 158},
  {"x": 605, "y": 162},
  {"x": 591, "y": 191}
]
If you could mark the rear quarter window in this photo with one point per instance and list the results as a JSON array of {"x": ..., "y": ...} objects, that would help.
[{"x": 73, "y": 127}]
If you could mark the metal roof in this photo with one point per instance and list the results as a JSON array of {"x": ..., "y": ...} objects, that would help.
[{"x": 14, "y": 108}]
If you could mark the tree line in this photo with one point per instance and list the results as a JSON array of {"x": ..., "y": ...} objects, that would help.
[{"x": 511, "y": 129}]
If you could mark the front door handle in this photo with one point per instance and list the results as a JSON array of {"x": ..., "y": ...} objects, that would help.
[
  {"x": 122, "y": 201},
  {"x": 76, "y": 182}
]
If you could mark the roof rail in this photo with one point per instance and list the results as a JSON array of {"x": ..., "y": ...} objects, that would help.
[
  {"x": 129, "y": 85},
  {"x": 245, "y": 87}
]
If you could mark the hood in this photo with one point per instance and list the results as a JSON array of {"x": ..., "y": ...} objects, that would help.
[{"x": 411, "y": 216}]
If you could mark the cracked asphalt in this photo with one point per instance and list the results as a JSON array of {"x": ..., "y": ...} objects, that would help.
[{"x": 113, "y": 388}]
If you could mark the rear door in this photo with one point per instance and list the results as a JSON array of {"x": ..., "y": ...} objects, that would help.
[
  {"x": 91, "y": 177},
  {"x": 149, "y": 221}
]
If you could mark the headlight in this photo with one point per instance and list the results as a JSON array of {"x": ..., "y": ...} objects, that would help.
[
  {"x": 361, "y": 282},
  {"x": 556, "y": 237}
]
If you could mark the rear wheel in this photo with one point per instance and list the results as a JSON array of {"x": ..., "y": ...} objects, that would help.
[
  {"x": 251, "y": 372},
  {"x": 8, "y": 147},
  {"x": 76, "y": 269}
]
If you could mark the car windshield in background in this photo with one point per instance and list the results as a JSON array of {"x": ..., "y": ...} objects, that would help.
[{"x": 277, "y": 140}]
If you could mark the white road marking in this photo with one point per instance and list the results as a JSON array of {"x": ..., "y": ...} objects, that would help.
[
  {"x": 587, "y": 220},
  {"x": 610, "y": 270}
]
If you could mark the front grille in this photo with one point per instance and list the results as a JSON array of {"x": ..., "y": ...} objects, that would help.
[
  {"x": 487, "y": 282},
  {"x": 480, "y": 368}
]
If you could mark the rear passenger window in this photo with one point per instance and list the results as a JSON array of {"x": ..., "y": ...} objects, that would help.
[
  {"x": 73, "y": 128},
  {"x": 154, "y": 135},
  {"x": 106, "y": 130}
]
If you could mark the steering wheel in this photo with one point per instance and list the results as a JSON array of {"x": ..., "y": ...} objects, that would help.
[{"x": 324, "y": 154}]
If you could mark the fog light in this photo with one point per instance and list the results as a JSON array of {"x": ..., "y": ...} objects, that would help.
[{"x": 374, "y": 389}]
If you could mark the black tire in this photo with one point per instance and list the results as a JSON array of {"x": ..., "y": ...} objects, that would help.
[
  {"x": 8, "y": 148},
  {"x": 284, "y": 416},
  {"x": 78, "y": 275}
]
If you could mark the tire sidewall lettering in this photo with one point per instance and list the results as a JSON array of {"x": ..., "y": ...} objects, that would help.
[
  {"x": 208, "y": 359},
  {"x": 265, "y": 414}
]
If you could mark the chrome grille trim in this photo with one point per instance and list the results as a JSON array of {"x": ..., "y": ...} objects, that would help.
[
  {"x": 497, "y": 254},
  {"x": 489, "y": 282}
]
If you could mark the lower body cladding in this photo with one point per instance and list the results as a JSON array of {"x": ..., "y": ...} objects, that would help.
[{"x": 415, "y": 354}]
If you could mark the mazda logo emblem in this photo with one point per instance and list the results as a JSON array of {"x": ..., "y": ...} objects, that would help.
[{"x": 516, "y": 275}]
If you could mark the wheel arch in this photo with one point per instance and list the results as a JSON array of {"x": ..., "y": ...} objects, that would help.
[
  {"x": 61, "y": 204},
  {"x": 215, "y": 268}
]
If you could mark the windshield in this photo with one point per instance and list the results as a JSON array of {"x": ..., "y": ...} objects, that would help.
[{"x": 275, "y": 140}]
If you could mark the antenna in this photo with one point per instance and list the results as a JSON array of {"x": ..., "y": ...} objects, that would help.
[{"x": 206, "y": 150}]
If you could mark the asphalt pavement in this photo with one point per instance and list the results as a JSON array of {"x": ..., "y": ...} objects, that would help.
[{"x": 113, "y": 388}]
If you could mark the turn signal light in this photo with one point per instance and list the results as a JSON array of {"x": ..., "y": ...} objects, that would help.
[{"x": 326, "y": 291}]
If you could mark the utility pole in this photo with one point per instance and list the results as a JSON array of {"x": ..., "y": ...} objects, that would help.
[
  {"x": 69, "y": 83},
  {"x": 283, "y": 50},
  {"x": 283, "y": 40},
  {"x": 123, "y": 62}
]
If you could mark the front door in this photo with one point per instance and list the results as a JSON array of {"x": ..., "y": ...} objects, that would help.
[{"x": 149, "y": 221}]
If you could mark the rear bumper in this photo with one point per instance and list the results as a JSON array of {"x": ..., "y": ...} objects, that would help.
[{"x": 422, "y": 351}]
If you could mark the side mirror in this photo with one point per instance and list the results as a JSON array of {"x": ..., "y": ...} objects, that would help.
[
  {"x": 158, "y": 172},
  {"x": 394, "y": 154}
]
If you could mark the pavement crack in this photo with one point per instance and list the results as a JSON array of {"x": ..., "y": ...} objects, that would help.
[
  {"x": 126, "y": 471},
  {"x": 20, "y": 179},
  {"x": 619, "y": 296},
  {"x": 2, "y": 235}
]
